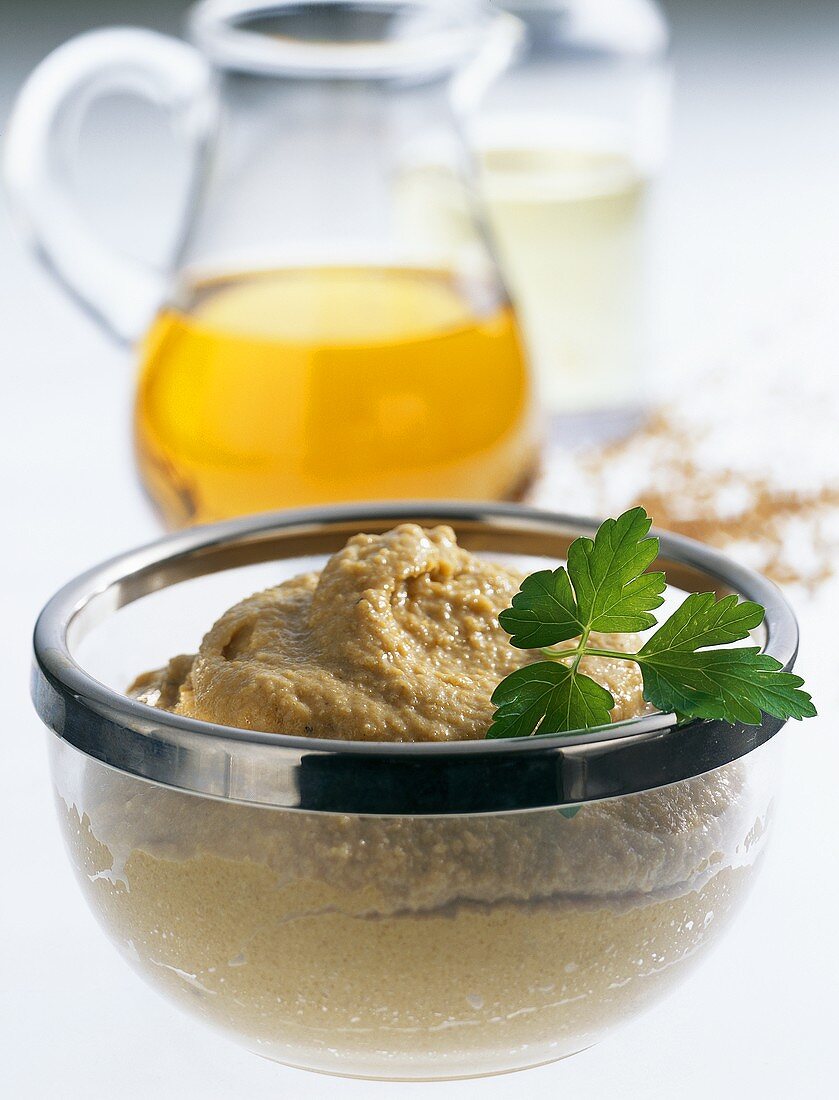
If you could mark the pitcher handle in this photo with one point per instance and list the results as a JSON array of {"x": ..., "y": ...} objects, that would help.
[{"x": 121, "y": 292}]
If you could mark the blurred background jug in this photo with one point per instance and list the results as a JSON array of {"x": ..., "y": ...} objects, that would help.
[{"x": 311, "y": 341}]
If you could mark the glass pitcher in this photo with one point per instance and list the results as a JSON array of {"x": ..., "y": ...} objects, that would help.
[{"x": 311, "y": 342}]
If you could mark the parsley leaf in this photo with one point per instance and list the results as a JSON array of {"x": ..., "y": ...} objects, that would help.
[
  {"x": 605, "y": 587},
  {"x": 731, "y": 684},
  {"x": 735, "y": 685},
  {"x": 544, "y": 611},
  {"x": 703, "y": 620},
  {"x": 548, "y": 697},
  {"x": 614, "y": 593}
]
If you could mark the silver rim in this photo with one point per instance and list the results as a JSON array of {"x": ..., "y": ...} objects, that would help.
[{"x": 364, "y": 777}]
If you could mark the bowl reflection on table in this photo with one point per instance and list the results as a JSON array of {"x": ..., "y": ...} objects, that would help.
[{"x": 389, "y": 911}]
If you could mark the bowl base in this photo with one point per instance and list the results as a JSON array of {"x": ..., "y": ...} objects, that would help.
[{"x": 421, "y": 1077}]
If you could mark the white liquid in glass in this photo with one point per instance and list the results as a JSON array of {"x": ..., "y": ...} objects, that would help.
[{"x": 569, "y": 223}]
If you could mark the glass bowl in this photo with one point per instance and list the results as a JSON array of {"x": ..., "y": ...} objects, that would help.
[{"x": 398, "y": 911}]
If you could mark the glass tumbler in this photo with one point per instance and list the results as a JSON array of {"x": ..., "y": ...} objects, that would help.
[{"x": 569, "y": 141}]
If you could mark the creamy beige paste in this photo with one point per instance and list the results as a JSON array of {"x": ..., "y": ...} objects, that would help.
[
  {"x": 397, "y": 639},
  {"x": 401, "y": 947}
]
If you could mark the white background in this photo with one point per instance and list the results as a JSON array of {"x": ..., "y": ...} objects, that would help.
[{"x": 748, "y": 269}]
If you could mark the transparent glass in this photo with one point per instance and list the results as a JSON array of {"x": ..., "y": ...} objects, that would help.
[
  {"x": 310, "y": 343},
  {"x": 396, "y": 947},
  {"x": 569, "y": 141},
  {"x": 411, "y": 947}
]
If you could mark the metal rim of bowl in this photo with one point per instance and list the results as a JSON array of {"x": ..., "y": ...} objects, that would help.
[{"x": 465, "y": 777}]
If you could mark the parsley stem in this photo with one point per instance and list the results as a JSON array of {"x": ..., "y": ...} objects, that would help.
[
  {"x": 619, "y": 655},
  {"x": 582, "y": 650}
]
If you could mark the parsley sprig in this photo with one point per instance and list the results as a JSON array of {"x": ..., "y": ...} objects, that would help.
[{"x": 606, "y": 588}]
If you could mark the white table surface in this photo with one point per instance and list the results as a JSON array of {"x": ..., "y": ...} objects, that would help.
[{"x": 750, "y": 236}]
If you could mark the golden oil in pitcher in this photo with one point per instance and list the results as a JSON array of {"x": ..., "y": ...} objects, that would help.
[
  {"x": 300, "y": 386},
  {"x": 318, "y": 346}
]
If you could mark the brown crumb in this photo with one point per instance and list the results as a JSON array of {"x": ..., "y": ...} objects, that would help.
[{"x": 785, "y": 532}]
